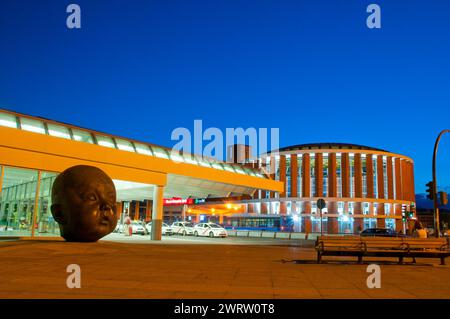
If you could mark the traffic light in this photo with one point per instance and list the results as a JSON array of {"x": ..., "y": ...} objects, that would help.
[
  {"x": 404, "y": 213},
  {"x": 430, "y": 190},
  {"x": 443, "y": 198}
]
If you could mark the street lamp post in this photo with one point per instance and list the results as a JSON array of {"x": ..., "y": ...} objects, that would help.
[
  {"x": 321, "y": 204},
  {"x": 435, "y": 200}
]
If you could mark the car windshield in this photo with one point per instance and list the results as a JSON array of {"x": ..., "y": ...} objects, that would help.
[
  {"x": 165, "y": 225},
  {"x": 188, "y": 225},
  {"x": 215, "y": 226}
]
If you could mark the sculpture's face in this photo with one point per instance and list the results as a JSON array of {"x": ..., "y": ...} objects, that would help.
[{"x": 88, "y": 205}]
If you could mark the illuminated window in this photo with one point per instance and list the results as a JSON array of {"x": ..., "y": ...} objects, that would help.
[
  {"x": 8, "y": 120},
  {"x": 124, "y": 145},
  {"x": 143, "y": 149},
  {"x": 82, "y": 136},
  {"x": 159, "y": 152},
  {"x": 58, "y": 131},
  {"x": 32, "y": 125},
  {"x": 204, "y": 162},
  {"x": 190, "y": 159},
  {"x": 175, "y": 156},
  {"x": 105, "y": 141}
]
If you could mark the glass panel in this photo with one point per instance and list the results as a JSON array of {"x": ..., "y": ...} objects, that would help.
[
  {"x": 58, "y": 131},
  {"x": 229, "y": 168},
  {"x": 32, "y": 125},
  {"x": 203, "y": 162},
  {"x": 8, "y": 120},
  {"x": 105, "y": 141},
  {"x": 239, "y": 170},
  {"x": 159, "y": 152},
  {"x": 175, "y": 156},
  {"x": 217, "y": 166},
  {"x": 249, "y": 171},
  {"x": 46, "y": 225},
  {"x": 82, "y": 136},
  {"x": 190, "y": 159},
  {"x": 143, "y": 149},
  {"x": 17, "y": 201},
  {"x": 124, "y": 145}
]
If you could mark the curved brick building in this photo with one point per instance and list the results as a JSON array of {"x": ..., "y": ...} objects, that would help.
[{"x": 363, "y": 187}]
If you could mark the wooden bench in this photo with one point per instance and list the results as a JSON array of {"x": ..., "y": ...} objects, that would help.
[{"x": 398, "y": 247}]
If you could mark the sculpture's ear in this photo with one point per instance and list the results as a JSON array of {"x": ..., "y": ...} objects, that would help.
[{"x": 57, "y": 213}]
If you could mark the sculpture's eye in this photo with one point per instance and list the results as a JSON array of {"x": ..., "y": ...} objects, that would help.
[{"x": 91, "y": 197}]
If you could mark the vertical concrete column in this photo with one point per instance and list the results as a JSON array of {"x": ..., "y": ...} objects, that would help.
[
  {"x": 390, "y": 178},
  {"x": 398, "y": 179},
  {"x": 306, "y": 220},
  {"x": 264, "y": 208},
  {"x": 345, "y": 174},
  {"x": 306, "y": 192},
  {"x": 332, "y": 192},
  {"x": 136, "y": 209},
  {"x": 369, "y": 176},
  {"x": 404, "y": 179},
  {"x": 381, "y": 221},
  {"x": 283, "y": 208},
  {"x": 411, "y": 182},
  {"x": 221, "y": 219},
  {"x": 358, "y": 176},
  {"x": 333, "y": 225},
  {"x": 119, "y": 210},
  {"x": 294, "y": 176},
  {"x": 319, "y": 175},
  {"x": 358, "y": 224},
  {"x": 283, "y": 174},
  {"x": 306, "y": 176},
  {"x": 157, "y": 213},
  {"x": 380, "y": 177},
  {"x": 359, "y": 220},
  {"x": 148, "y": 210},
  {"x": 273, "y": 169},
  {"x": 332, "y": 175}
]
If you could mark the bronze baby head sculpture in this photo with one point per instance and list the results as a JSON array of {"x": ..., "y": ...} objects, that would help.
[{"x": 84, "y": 203}]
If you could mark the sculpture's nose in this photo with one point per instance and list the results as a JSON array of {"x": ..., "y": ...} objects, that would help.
[{"x": 106, "y": 208}]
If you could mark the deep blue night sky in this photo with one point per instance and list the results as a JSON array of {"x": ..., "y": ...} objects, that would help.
[{"x": 311, "y": 68}]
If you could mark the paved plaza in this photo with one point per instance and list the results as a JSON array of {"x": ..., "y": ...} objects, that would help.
[{"x": 204, "y": 268}]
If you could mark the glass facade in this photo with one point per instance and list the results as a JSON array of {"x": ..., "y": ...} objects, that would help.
[
  {"x": 17, "y": 201},
  {"x": 25, "y": 202}
]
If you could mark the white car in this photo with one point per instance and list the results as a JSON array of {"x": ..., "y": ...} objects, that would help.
[
  {"x": 210, "y": 229},
  {"x": 138, "y": 228},
  {"x": 182, "y": 228},
  {"x": 166, "y": 229}
]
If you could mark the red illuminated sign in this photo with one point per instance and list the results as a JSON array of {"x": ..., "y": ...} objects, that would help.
[{"x": 176, "y": 201}]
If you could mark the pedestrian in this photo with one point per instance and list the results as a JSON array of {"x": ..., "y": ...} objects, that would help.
[
  {"x": 127, "y": 225},
  {"x": 419, "y": 231}
]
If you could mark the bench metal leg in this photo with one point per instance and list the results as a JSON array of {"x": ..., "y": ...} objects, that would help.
[
  {"x": 359, "y": 259},
  {"x": 319, "y": 257},
  {"x": 442, "y": 260},
  {"x": 400, "y": 260}
]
